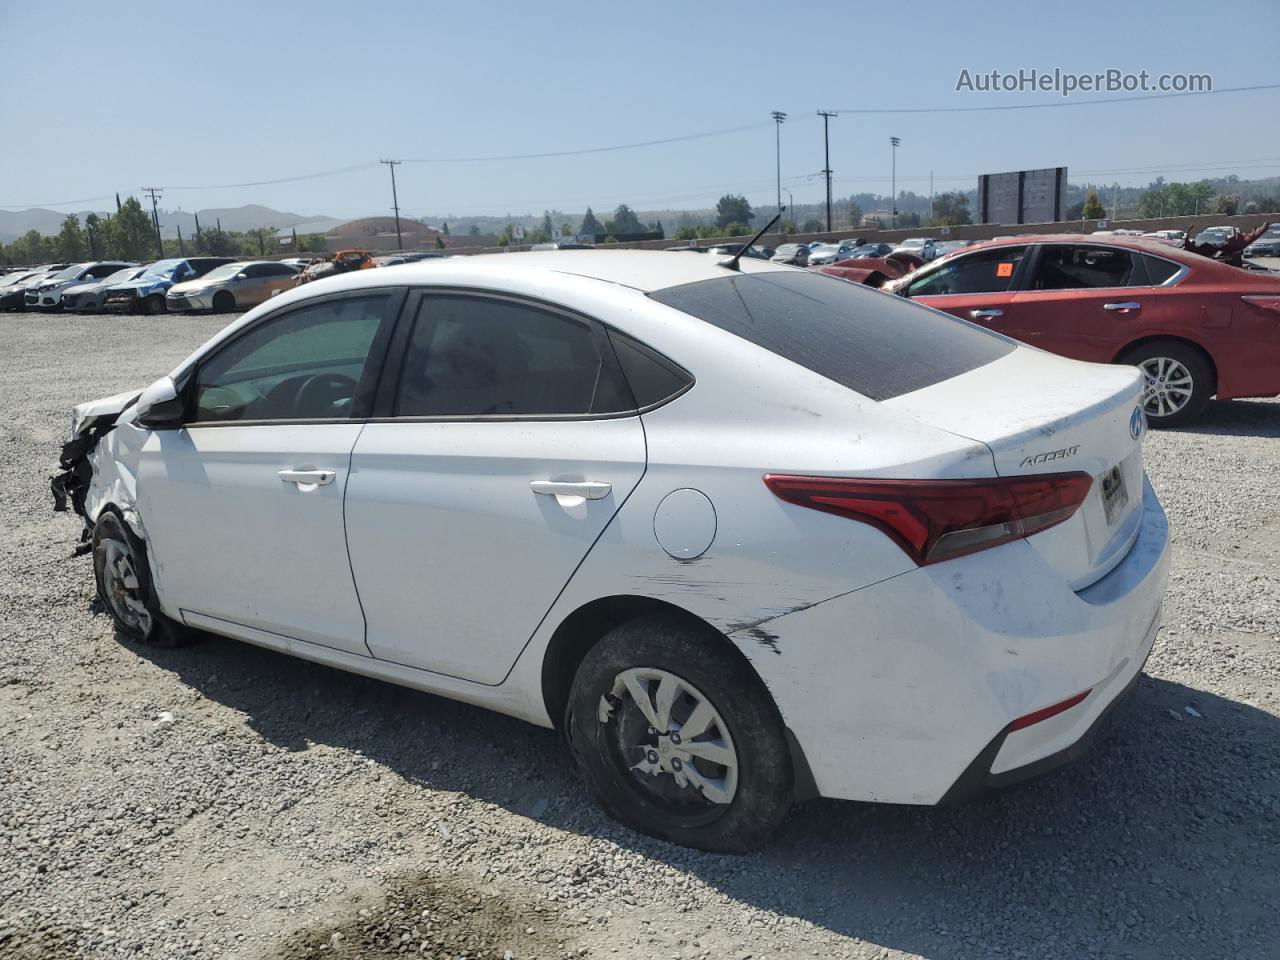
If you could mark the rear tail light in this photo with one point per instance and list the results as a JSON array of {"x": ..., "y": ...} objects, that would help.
[
  {"x": 935, "y": 520},
  {"x": 1270, "y": 301}
]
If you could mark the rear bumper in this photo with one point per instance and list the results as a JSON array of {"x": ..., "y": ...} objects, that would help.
[
  {"x": 985, "y": 775},
  {"x": 905, "y": 691}
]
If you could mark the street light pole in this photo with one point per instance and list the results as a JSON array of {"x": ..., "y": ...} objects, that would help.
[{"x": 778, "y": 118}]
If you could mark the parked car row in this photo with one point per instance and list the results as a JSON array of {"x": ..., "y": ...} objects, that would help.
[{"x": 174, "y": 285}]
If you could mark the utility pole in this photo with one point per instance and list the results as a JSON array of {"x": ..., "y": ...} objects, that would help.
[
  {"x": 182, "y": 248},
  {"x": 154, "y": 193},
  {"x": 1115, "y": 202},
  {"x": 826, "y": 116},
  {"x": 395, "y": 201},
  {"x": 930, "y": 198},
  {"x": 894, "y": 143},
  {"x": 778, "y": 118}
]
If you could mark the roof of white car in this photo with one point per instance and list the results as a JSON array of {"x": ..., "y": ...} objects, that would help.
[{"x": 640, "y": 269}]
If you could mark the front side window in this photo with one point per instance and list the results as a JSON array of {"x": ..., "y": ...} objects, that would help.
[
  {"x": 302, "y": 365},
  {"x": 1074, "y": 267},
  {"x": 987, "y": 271},
  {"x": 477, "y": 356}
]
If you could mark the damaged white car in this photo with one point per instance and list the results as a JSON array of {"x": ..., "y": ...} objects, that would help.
[{"x": 744, "y": 533}]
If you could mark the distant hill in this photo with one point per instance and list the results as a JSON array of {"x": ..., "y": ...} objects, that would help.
[
  {"x": 236, "y": 218},
  {"x": 14, "y": 223}
]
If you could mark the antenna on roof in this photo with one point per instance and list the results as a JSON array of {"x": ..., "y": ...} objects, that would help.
[{"x": 732, "y": 262}]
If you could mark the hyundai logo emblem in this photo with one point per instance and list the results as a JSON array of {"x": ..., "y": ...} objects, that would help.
[{"x": 1137, "y": 423}]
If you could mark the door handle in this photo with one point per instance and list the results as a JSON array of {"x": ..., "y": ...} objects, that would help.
[
  {"x": 1127, "y": 305},
  {"x": 985, "y": 314},
  {"x": 308, "y": 478},
  {"x": 587, "y": 489}
]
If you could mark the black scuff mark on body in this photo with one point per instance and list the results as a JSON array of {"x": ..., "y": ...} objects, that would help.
[{"x": 764, "y": 638}]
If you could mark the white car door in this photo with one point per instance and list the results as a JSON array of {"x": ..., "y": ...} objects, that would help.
[
  {"x": 511, "y": 441},
  {"x": 243, "y": 503}
]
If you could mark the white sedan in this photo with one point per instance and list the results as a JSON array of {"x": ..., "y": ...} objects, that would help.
[{"x": 745, "y": 536}]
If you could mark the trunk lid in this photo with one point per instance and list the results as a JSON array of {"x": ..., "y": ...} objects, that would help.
[{"x": 1039, "y": 413}]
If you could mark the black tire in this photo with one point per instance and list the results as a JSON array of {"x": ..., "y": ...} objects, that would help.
[
  {"x": 223, "y": 302},
  {"x": 765, "y": 781},
  {"x": 135, "y": 609},
  {"x": 1193, "y": 362},
  {"x": 153, "y": 304}
]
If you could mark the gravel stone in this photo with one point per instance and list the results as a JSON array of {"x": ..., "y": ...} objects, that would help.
[{"x": 224, "y": 801}]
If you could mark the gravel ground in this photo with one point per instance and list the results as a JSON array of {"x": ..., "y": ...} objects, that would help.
[{"x": 226, "y": 801}]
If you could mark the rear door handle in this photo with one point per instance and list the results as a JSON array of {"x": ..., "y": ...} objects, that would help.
[
  {"x": 985, "y": 314},
  {"x": 308, "y": 478},
  {"x": 587, "y": 489},
  {"x": 1127, "y": 305}
]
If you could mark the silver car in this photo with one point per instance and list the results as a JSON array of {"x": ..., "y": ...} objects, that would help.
[
  {"x": 87, "y": 297},
  {"x": 232, "y": 286}
]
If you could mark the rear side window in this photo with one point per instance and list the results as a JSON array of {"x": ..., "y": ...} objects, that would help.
[
  {"x": 652, "y": 377},
  {"x": 474, "y": 356},
  {"x": 1065, "y": 267},
  {"x": 878, "y": 345},
  {"x": 1159, "y": 270},
  {"x": 987, "y": 271}
]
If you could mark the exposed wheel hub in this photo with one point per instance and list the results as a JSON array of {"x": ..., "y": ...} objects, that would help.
[
  {"x": 670, "y": 739},
  {"x": 121, "y": 586}
]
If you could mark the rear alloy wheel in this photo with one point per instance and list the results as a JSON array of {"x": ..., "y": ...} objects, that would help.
[
  {"x": 223, "y": 302},
  {"x": 123, "y": 578},
  {"x": 678, "y": 738},
  {"x": 153, "y": 304},
  {"x": 1177, "y": 382}
]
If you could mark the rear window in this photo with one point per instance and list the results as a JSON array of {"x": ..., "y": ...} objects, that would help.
[{"x": 878, "y": 345}]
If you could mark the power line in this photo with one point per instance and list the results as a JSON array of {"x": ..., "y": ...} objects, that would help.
[
  {"x": 577, "y": 153},
  {"x": 1063, "y": 103},
  {"x": 294, "y": 179}
]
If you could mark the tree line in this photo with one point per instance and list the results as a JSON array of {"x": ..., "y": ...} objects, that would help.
[{"x": 131, "y": 235}]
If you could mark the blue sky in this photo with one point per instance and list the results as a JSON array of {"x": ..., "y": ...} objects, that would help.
[{"x": 100, "y": 98}]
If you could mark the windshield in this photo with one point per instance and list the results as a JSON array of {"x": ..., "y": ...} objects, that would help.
[
  {"x": 163, "y": 268},
  {"x": 224, "y": 272},
  {"x": 69, "y": 273},
  {"x": 877, "y": 345},
  {"x": 825, "y": 248},
  {"x": 128, "y": 273}
]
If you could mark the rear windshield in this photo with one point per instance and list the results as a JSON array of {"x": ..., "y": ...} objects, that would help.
[{"x": 878, "y": 345}]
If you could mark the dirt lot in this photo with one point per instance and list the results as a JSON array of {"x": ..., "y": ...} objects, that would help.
[{"x": 224, "y": 801}]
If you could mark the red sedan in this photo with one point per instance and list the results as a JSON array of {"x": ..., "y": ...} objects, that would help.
[{"x": 1196, "y": 327}]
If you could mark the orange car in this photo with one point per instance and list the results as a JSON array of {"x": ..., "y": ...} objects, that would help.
[{"x": 343, "y": 261}]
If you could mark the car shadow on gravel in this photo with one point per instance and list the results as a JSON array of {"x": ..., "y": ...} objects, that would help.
[
  {"x": 1164, "y": 836},
  {"x": 1236, "y": 418}
]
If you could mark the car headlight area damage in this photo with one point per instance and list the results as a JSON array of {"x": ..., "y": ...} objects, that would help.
[{"x": 744, "y": 534}]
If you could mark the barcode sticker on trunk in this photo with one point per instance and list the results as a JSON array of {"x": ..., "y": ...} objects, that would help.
[{"x": 1114, "y": 494}]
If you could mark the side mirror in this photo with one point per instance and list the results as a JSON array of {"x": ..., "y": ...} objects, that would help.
[
  {"x": 160, "y": 407},
  {"x": 242, "y": 276}
]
